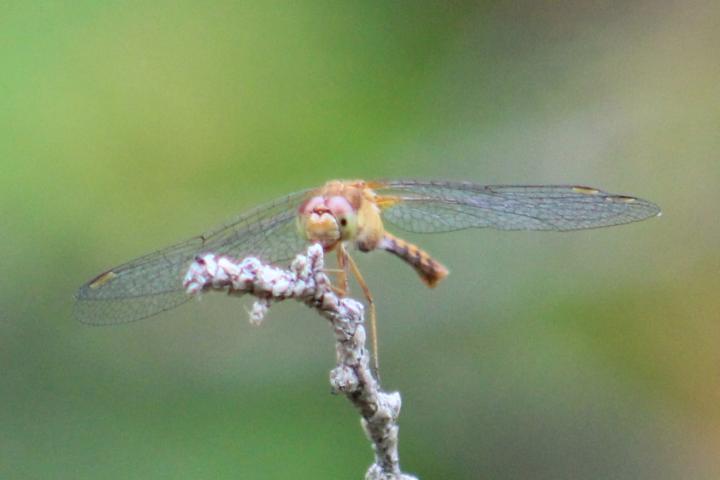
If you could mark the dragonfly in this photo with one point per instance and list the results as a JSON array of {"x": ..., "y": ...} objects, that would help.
[{"x": 353, "y": 213}]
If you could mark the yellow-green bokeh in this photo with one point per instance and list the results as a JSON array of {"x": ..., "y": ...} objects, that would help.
[{"x": 126, "y": 126}]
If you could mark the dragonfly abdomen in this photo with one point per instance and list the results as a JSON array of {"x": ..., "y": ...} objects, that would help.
[{"x": 430, "y": 270}]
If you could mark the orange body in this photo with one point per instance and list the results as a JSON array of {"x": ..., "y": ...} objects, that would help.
[
  {"x": 430, "y": 270},
  {"x": 350, "y": 211}
]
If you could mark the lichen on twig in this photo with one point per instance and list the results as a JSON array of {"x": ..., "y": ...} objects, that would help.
[{"x": 306, "y": 281}]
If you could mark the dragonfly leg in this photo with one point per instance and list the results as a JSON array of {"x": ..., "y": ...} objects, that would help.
[
  {"x": 334, "y": 271},
  {"x": 342, "y": 277},
  {"x": 371, "y": 303},
  {"x": 339, "y": 290}
]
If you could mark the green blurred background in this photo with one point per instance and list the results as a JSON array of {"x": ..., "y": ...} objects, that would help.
[{"x": 125, "y": 127}]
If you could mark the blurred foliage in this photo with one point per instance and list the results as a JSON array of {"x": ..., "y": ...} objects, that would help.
[{"x": 126, "y": 126}]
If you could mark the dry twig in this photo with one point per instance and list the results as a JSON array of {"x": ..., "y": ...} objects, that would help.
[{"x": 305, "y": 281}]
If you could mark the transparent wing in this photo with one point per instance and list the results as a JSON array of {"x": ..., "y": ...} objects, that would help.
[
  {"x": 446, "y": 206},
  {"x": 153, "y": 283}
]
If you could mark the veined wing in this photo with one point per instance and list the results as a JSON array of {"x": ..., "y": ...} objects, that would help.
[
  {"x": 439, "y": 206},
  {"x": 153, "y": 283}
]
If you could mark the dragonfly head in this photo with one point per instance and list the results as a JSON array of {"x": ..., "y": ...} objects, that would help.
[{"x": 327, "y": 220}]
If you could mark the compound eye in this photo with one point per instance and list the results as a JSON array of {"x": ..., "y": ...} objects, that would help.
[
  {"x": 339, "y": 206},
  {"x": 344, "y": 214},
  {"x": 308, "y": 207}
]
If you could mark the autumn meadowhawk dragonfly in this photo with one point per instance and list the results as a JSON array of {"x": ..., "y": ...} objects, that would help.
[{"x": 352, "y": 213}]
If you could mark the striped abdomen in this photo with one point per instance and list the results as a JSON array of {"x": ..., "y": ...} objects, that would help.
[{"x": 430, "y": 271}]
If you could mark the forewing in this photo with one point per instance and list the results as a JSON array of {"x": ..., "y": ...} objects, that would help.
[
  {"x": 446, "y": 206},
  {"x": 153, "y": 283}
]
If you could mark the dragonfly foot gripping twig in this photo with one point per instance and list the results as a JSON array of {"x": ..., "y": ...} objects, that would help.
[{"x": 306, "y": 281}]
